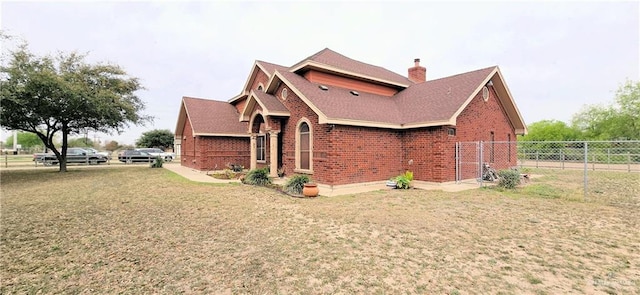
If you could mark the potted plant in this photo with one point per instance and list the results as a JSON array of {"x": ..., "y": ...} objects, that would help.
[
  {"x": 403, "y": 181},
  {"x": 310, "y": 190}
]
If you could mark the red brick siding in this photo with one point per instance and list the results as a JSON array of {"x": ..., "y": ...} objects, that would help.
[
  {"x": 362, "y": 154},
  {"x": 209, "y": 152},
  {"x": 288, "y": 126},
  {"x": 188, "y": 144},
  {"x": 261, "y": 78},
  {"x": 217, "y": 152},
  {"x": 421, "y": 146},
  {"x": 476, "y": 123},
  {"x": 240, "y": 104}
]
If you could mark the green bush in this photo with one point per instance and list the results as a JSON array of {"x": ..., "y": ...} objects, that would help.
[
  {"x": 258, "y": 177},
  {"x": 508, "y": 178},
  {"x": 157, "y": 163},
  {"x": 296, "y": 183},
  {"x": 403, "y": 181}
]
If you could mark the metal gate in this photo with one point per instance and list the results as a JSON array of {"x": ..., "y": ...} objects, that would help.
[
  {"x": 468, "y": 161},
  {"x": 471, "y": 157}
]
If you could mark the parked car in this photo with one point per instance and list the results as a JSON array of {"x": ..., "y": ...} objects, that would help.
[
  {"x": 130, "y": 156},
  {"x": 156, "y": 152},
  {"x": 39, "y": 157},
  {"x": 94, "y": 151},
  {"x": 74, "y": 155}
]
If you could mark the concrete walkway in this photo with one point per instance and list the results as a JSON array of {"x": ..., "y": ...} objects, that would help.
[
  {"x": 202, "y": 176},
  {"x": 194, "y": 175}
]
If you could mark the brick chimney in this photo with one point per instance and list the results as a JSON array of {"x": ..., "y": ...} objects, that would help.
[{"x": 417, "y": 74}]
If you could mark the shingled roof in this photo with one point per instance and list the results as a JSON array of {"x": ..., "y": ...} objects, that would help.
[
  {"x": 210, "y": 117},
  {"x": 270, "y": 68},
  {"x": 271, "y": 105},
  {"x": 339, "y": 104},
  {"x": 439, "y": 100},
  {"x": 330, "y": 60},
  {"x": 432, "y": 103}
]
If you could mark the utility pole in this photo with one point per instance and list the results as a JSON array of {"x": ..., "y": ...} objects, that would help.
[{"x": 15, "y": 140}]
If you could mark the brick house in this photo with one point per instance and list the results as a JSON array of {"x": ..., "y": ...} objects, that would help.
[{"x": 346, "y": 122}]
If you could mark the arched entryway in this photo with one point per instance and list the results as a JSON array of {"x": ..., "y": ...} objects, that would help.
[{"x": 264, "y": 144}]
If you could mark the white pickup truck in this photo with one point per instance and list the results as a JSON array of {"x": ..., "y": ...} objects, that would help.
[
  {"x": 97, "y": 152},
  {"x": 158, "y": 153}
]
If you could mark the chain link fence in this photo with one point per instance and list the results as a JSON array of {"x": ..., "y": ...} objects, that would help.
[
  {"x": 591, "y": 155},
  {"x": 596, "y": 169}
]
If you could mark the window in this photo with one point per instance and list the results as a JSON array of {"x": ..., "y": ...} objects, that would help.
[
  {"x": 451, "y": 131},
  {"x": 260, "y": 87},
  {"x": 485, "y": 93},
  {"x": 304, "y": 146},
  {"x": 260, "y": 150},
  {"x": 284, "y": 93}
]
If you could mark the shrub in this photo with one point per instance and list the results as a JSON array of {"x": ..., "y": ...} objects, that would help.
[
  {"x": 403, "y": 181},
  {"x": 508, "y": 178},
  {"x": 157, "y": 163},
  {"x": 296, "y": 183},
  {"x": 258, "y": 177}
]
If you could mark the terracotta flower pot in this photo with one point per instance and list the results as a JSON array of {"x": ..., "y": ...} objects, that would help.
[{"x": 310, "y": 190}]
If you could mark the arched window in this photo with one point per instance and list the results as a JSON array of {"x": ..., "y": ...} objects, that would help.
[{"x": 304, "y": 147}]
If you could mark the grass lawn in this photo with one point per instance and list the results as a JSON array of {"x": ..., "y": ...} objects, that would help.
[{"x": 142, "y": 230}]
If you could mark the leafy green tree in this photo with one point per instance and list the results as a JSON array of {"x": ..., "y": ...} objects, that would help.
[
  {"x": 157, "y": 138},
  {"x": 26, "y": 140},
  {"x": 79, "y": 142},
  {"x": 620, "y": 120},
  {"x": 64, "y": 95},
  {"x": 550, "y": 130}
]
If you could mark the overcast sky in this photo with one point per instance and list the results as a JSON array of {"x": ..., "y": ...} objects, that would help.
[{"x": 555, "y": 56}]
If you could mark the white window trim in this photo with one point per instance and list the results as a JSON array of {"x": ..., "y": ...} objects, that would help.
[
  {"x": 264, "y": 148},
  {"x": 298, "y": 169}
]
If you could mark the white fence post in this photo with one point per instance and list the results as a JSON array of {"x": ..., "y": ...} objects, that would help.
[{"x": 586, "y": 163}]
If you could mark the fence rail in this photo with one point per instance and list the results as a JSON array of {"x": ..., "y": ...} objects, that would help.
[
  {"x": 24, "y": 161},
  {"x": 588, "y": 156},
  {"x": 594, "y": 155}
]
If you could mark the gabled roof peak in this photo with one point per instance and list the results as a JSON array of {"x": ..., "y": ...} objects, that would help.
[{"x": 332, "y": 61}]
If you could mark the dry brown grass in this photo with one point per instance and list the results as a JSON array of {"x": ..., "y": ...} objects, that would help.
[{"x": 141, "y": 230}]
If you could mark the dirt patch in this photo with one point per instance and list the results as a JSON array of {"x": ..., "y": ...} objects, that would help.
[{"x": 141, "y": 230}]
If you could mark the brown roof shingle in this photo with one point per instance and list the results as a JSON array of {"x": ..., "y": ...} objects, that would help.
[
  {"x": 339, "y": 103},
  {"x": 213, "y": 117},
  {"x": 334, "y": 59},
  {"x": 436, "y": 100},
  {"x": 270, "y": 67},
  {"x": 271, "y": 103}
]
